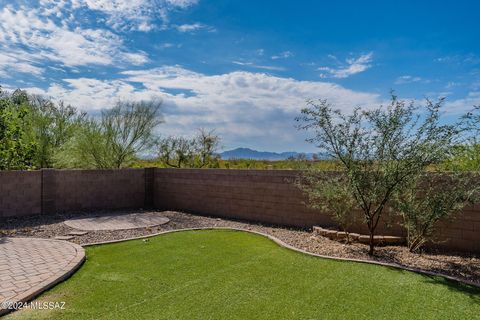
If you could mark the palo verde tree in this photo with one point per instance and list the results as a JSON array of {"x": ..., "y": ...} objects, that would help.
[
  {"x": 116, "y": 139},
  {"x": 380, "y": 150}
]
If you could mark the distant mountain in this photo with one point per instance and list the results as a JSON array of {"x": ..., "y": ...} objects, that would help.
[{"x": 247, "y": 153}]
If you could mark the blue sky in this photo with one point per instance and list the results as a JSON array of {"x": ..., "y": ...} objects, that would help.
[{"x": 244, "y": 68}]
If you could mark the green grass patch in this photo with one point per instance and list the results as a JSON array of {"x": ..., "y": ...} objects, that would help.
[{"x": 222, "y": 274}]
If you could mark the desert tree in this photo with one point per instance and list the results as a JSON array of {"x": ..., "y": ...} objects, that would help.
[
  {"x": 197, "y": 152},
  {"x": 467, "y": 155},
  {"x": 114, "y": 141},
  {"x": 52, "y": 125},
  {"x": 17, "y": 148},
  {"x": 379, "y": 150},
  {"x": 432, "y": 197},
  {"x": 330, "y": 192}
]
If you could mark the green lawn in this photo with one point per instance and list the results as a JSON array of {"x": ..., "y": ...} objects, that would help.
[{"x": 223, "y": 274}]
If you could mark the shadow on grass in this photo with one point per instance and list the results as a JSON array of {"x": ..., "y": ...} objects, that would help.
[{"x": 471, "y": 291}]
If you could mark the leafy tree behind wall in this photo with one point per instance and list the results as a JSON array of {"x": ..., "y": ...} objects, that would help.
[
  {"x": 113, "y": 141},
  {"x": 197, "y": 152},
  {"x": 52, "y": 126},
  {"x": 17, "y": 148}
]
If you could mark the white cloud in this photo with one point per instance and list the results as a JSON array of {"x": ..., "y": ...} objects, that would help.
[
  {"x": 194, "y": 27},
  {"x": 407, "y": 79},
  {"x": 464, "y": 104},
  {"x": 137, "y": 15},
  {"x": 11, "y": 64},
  {"x": 256, "y": 66},
  {"x": 283, "y": 55},
  {"x": 39, "y": 38},
  {"x": 350, "y": 67},
  {"x": 242, "y": 106}
]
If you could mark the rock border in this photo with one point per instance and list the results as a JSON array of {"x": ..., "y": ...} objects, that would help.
[
  {"x": 356, "y": 237},
  {"x": 55, "y": 279}
]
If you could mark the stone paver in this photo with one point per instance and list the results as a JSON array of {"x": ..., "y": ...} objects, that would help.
[
  {"x": 29, "y": 266},
  {"x": 118, "y": 222}
]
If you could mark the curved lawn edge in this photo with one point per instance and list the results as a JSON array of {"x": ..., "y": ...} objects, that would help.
[
  {"x": 290, "y": 247},
  {"x": 52, "y": 281}
]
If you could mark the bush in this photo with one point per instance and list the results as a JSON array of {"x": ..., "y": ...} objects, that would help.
[
  {"x": 380, "y": 150},
  {"x": 431, "y": 198}
]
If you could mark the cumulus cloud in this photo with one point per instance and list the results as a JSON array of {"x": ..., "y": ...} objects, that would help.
[
  {"x": 462, "y": 105},
  {"x": 350, "y": 67},
  {"x": 38, "y": 38},
  {"x": 242, "y": 106}
]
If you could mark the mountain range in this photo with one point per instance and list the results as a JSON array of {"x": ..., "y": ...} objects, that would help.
[{"x": 247, "y": 153}]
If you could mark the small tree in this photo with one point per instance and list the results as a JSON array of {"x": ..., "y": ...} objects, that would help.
[
  {"x": 431, "y": 198},
  {"x": 197, "y": 152},
  {"x": 113, "y": 142},
  {"x": 17, "y": 148},
  {"x": 330, "y": 192},
  {"x": 380, "y": 150},
  {"x": 52, "y": 125}
]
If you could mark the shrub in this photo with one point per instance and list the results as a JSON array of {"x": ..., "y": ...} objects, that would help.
[
  {"x": 430, "y": 198},
  {"x": 380, "y": 150}
]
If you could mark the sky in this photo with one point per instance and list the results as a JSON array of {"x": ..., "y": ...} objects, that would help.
[{"x": 244, "y": 68}]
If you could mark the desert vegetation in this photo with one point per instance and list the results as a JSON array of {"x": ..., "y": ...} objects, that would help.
[{"x": 384, "y": 154}]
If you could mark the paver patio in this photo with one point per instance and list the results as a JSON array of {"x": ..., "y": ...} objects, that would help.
[
  {"x": 118, "y": 222},
  {"x": 29, "y": 265}
]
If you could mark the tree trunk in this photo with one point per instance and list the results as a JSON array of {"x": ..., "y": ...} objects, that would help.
[{"x": 372, "y": 246}]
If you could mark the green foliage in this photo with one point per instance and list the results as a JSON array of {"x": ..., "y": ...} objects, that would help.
[
  {"x": 17, "y": 149},
  {"x": 466, "y": 158},
  {"x": 330, "y": 192},
  {"x": 53, "y": 125},
  {"x": 113, "y": 142},
  {"x": 433, "y": 197},
  {"x": 381, "y": 149},
  {"x": 197, "y": 152},
  {"x": 325, "y": 165}
]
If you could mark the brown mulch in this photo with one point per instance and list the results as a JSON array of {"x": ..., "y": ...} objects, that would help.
[{"x": 460, "y": 265}]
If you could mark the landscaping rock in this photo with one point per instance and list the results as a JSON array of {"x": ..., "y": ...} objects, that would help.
[
  {"x": 331, "y": 234},
  {"x": 341, "y": 235},
  {"x": 366, "y": 239},
  {"x": 393, "y": 240},
  {"x": 354, "y": 236},
  {"x": 77, "y": 233},
  {"x": 320, "y": 231},
  {"x": 64, "y": 238}
]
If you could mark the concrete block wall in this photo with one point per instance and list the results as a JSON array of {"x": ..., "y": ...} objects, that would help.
[
  {"x": 20, "y": 193},
  {"x": 48, "y": 191},
  {"x": 98, "y": 189},
  {"x": 269, "y": 196}
]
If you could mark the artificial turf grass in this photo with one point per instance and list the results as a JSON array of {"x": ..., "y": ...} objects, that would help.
[{"x": 224, "y": 274}]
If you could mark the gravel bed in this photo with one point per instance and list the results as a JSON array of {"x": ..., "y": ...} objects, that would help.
[{"x": 459, "y": 265}]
